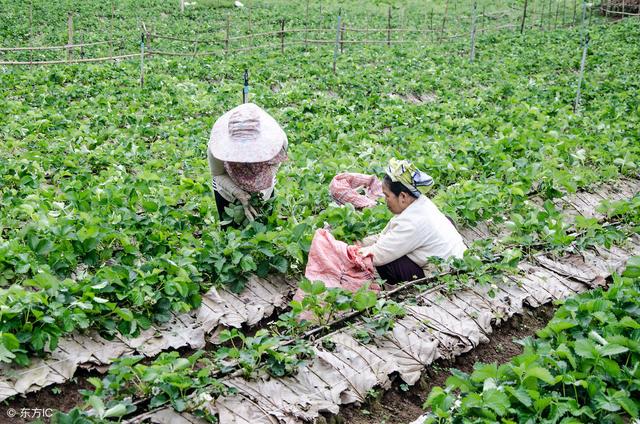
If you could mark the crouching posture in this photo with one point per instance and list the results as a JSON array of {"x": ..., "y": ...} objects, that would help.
[
  {"x": 417, "y": 231},
  {"x": 245, "y": 150}
]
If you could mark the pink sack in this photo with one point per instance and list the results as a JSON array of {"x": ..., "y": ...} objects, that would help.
[
  {"x": 337, "y": 265},
  {"x": 343, "y": 189}
]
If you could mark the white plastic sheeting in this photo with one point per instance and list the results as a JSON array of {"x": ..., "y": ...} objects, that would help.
[
  {"x": 454, "y": 324},
  {"x": 220, "y": 309}
]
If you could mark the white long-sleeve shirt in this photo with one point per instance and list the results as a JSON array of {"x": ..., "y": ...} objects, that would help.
[{"x": 420, "y": 231}]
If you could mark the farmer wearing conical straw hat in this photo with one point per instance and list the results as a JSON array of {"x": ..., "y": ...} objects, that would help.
[
  {"x": 245, "y": 150},
  {"x": 417, "y": 231}
]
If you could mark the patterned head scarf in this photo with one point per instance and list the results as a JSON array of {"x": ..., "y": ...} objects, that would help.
[
  {"x": 411, "y": 177},
  {"x": 257, "y": 176}
]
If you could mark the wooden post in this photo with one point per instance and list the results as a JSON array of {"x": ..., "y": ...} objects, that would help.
[
  {"x": 472, "y": 55},
  {"x": 142, "y": 60},
  {"x": 195, "y": 48},
  {"x": 226, "y": 37},
  {"x": 444, "y": 18},
  {"x": 389, "y": 27},
  {"x": 342, "y": 32},
  {"x": 335, "y": 49},
  {"x": 576, "y": 106},
  {"x": 31, "y": 30},
  {"x": 282, "y": 36},
  {"x": 70, "y": 36},
  {"x": 147, "y": 36},
  {"x": 113, "y": 13},
  {"x": 524, "y": 16},
  {"x": 306, "y": 26}
]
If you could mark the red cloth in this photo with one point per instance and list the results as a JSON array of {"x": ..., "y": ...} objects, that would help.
[
  {"x": 343, "y": 189},
  {"x": 337, "y": 265}
]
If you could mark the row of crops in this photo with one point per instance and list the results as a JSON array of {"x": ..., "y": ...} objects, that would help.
[{"x": 107, "y": 221}]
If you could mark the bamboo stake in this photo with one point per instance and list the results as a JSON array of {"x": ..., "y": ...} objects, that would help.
[
  {"x": 389, "y": 27},
  {"x": 524, "y": 16},
  {"x": 472, "y": 55},
  {"x": 444, "y": 18},
  {"x": 226, "y": 37},
  {"x": 431, "y": 19},
  {"x": 69, "y": 35},
  {"x": 582, "y": 65},
  {"x": 306, "y": 26},
  {"x": 113, "y": 12},
  {"x": 335, "y": 49},
  {"x": 142, "y": 60},
  {"x": 250, "y": 26},
  {"x": 31, "y": 29},
  {"x": 282, "y": 36},
  {"x": 342, "y": 33}
]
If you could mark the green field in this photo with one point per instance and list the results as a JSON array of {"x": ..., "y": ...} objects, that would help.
[{"x": 107, "y": 220}]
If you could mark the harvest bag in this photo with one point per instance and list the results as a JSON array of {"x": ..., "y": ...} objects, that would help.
[
  {"x": 344, "y": 189},
  {"x": 337, "y": 265}
]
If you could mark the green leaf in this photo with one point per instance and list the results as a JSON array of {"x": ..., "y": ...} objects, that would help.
[
  {"x": 540, "y": 373},
  {"x": 633, "y": 268},
  {"x": 521, "y": 394},
  {"x": 612, "y": 349},
  {"x": 496, "y": 400},
  {"x": 484, "y": 371},
  {"x": 364, "y": 299},
  {"x": 115, "y": 411},
  {"x": 125, "y": 314},
  {"x": 585, "y": 349},
  {"x": 629, "y": 322}
]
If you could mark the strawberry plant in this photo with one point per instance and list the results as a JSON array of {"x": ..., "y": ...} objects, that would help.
[{"x": 582, "y": 367}]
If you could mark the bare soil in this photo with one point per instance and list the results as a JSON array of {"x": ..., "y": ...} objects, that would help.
[
  {"x": 402, "y": 404},
  {"x": 30, "y": 407}
]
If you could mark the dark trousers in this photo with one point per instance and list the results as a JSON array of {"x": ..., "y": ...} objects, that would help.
[
  {"x": 400, "y": 270},
  {"x": 222, "y": 203}
]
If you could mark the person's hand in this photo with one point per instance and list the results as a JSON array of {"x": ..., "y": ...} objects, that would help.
[
  {"x": 249, "y": 210},
  {"x": 364, "y": 251}
]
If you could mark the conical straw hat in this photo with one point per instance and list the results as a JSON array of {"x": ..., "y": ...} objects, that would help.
[{"x": 246, "y": 134}]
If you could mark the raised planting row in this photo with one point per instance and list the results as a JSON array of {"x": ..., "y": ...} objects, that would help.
[
  {"x": 107, "y": 219},
  {"x": 223, "y": 309},
  {"x": 583, "y": 367},
  {"x": 346, "y": 366},
  {"x": 457, "y": 323}
]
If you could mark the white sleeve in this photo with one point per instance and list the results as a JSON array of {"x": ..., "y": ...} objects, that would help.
[
  {"x": 221, "y": 181},
  {"x": 398, "y": 240}
]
